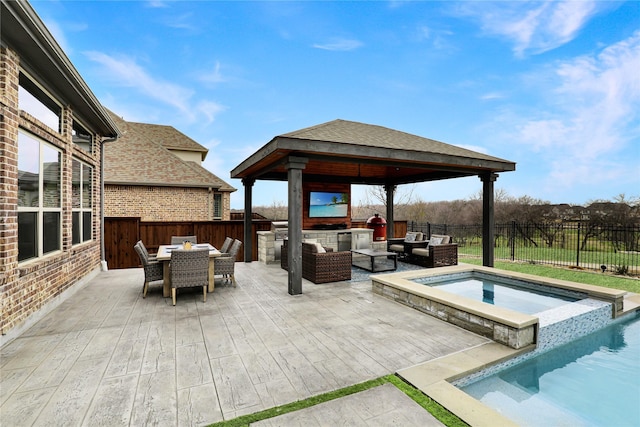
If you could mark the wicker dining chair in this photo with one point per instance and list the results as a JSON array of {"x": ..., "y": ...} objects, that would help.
[
  {"x": 150, "y": 257},
  {"x": 225, "y": 265},
  {"x": 189, "y": 268},
  {"x": 178, "y": 240},
  {"x": 226, "y": 245},
  {"x": 152, "y": 269}
]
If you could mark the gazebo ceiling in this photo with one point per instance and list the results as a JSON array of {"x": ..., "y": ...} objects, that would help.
[{"x": 358, "y": 153}]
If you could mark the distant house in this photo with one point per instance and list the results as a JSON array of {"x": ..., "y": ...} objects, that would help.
[
  {"x": 53, "y": 129},
  {"x": 154, "y": 172}
]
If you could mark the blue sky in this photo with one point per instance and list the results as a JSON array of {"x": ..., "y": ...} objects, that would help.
[{"x": 552, "y": 86}]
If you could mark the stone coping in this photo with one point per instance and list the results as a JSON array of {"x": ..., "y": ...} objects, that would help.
[
  {"x": 403, "y": 281},
  {"x": 434, "y": 377}
]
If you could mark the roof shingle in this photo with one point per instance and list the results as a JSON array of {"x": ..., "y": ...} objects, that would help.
[
  {"x": 356, "y": 133},
  {"x": 141, "y": 156}
]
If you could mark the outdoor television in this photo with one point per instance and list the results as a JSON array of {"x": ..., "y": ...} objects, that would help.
[{"x": 325, "y": 204}]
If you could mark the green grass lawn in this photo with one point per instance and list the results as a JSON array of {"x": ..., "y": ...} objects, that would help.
[
  {"x": 559, "y": 256},
  {"x": 435, "y": 409},
  {"x": 606, "y": 280},
  {"x": 447, "y": 418}
]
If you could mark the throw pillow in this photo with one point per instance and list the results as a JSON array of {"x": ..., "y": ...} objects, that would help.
[
  {"x": 410, "y": 237},
  {"x": 320, "y": 249},
  {"x": 435, "y": 241}
]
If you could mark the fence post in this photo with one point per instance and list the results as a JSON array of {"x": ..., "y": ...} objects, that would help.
[
  {"x": 578, "y": 245},
  {"x": 513, "y": 240},
  {"x": 429, "y": 229}
]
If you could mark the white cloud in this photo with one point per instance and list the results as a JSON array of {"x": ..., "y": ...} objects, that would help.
[
  {"x": 59, "y": 34},
  {"x": 591, "y": 120},
  {"x": 492, "y": 95},
  {"x": 438, "y": 38},
  {"x": 125, "y": 72},
  {"x": 532, "y": 26},
  {"x": 339, "y": 45},
  {"x": 209, "y": 110},
  {"x": 157, "y": 3},
  {"x": 184, "y": 21},
  {"x": 213, "y": 77}
]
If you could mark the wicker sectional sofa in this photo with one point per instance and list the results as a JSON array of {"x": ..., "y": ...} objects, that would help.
[
  {"x": 422, "y": 252},
  {"x": 321, "y": 267}
]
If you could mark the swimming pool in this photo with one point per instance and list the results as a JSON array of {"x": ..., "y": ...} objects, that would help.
[
  {"x": 592, "y": 381},
  {"x": 520, "y": 297}
]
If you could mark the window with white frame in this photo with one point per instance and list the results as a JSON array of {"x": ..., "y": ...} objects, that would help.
[
  {"x": 81, "y": 204},
  {"x": 217, "y": 205},
  {"x": 34, "y": 100},
  {"x": 39, "y": 197}
]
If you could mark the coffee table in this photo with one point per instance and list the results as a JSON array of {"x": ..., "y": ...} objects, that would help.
[{"x": 371, "y": 260}]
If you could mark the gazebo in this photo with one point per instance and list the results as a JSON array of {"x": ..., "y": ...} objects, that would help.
[{"x": 341, "y": 152}]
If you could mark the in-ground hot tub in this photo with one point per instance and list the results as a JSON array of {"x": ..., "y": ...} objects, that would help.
[{"x": 501, "y": 324}]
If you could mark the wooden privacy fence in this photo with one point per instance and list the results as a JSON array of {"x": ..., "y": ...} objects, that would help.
[{"x": 120, "y": 234}]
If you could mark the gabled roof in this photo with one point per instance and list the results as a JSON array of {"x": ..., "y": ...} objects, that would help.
[
  {"x": 355, "y": 133},
  {"x": 170, "y": 138},
  {"x": 137, "y": 159},
  {"x": 360, "y": 153}
]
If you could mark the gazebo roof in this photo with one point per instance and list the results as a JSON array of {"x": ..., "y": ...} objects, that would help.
[{"x": 359, "y": 153}]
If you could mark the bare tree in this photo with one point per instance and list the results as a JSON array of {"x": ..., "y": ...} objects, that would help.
[
  {"x": 277, "y": 211},
  {"x": 376, "y": 194}
]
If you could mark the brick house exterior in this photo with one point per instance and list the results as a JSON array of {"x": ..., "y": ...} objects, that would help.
[
  {"x": 52, "y": 132},
  {"x": 154, "y": 172}
]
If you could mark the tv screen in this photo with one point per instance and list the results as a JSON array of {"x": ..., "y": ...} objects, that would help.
[{"x": 324, "y": 204}]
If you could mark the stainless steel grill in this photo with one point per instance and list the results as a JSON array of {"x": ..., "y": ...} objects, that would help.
[{"x": 281, "y": 231}]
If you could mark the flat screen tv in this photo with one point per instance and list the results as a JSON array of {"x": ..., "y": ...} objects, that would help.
[{"x": 325, "y": 204}]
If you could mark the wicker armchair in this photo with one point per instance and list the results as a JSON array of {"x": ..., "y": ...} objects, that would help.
[
  {"x": 319, "y": 267},
  {"x": 178, "y": 240},
  {"x": 150, "y": 257},
  {"x": 152, "y": 269},
  {"x": 189, "y": 268},
  {"x": 405, "y": 246},
  {"x": 225, "y": 265},
  {"x": 439, "y": 255}
]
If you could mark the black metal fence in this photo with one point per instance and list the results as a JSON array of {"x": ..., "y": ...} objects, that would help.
[{"x": 579, "y": 244}]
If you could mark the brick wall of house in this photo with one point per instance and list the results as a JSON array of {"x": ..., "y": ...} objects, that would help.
[
  {"x": 28, "y": 286},
  {"x": 162, "y": 203}
]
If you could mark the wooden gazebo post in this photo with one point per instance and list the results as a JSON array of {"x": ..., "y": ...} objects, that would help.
[
  {"x": 248, "y": 219},
  {"x": 294, "y": 167},
  {"x": 390, "y": 190},
  {"x": 488, "y": 224}
]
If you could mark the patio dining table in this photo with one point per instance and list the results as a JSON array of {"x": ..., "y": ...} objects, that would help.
[{"x": 164, "y": 255}]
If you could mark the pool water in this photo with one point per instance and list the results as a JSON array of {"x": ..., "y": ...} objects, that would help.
[
  {"x": 592, "y": 381},
  {"x": 523, "y": 300}
]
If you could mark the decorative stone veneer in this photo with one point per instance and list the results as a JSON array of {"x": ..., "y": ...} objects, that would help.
[
  {"x": 513, "y": 335},
  {"x": 163, "y": 203},
  {"x": 327, "y": 238},
  {"x": 507, "y": 327}
]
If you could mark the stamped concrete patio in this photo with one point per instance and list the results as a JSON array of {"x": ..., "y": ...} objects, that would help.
[{"x": 106, "y": 356}]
